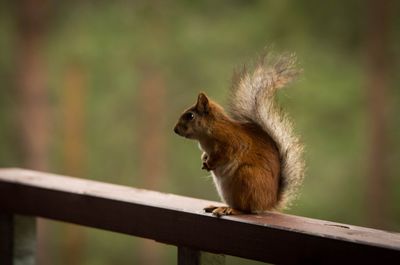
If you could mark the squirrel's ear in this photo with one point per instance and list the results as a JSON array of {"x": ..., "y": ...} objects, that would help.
[{"x": 202, "y": 103}]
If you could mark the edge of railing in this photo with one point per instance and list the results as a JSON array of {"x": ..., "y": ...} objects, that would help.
[{"x": 178, "y": 220}]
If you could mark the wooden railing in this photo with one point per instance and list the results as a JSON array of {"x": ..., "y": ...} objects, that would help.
[{"x": 171, "y": 219}]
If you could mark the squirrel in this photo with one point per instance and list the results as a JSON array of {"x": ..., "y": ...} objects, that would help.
[{"x": 253, "y": 155}]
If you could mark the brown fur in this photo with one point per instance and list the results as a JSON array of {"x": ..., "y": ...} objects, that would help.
[
  {"x": 243, "y": 158},
  {"x": 253, "y": 154}
]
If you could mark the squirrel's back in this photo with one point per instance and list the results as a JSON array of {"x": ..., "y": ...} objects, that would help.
[{"x": 253, "y": 100}]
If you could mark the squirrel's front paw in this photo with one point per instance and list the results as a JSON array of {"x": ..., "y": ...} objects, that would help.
[
  {"x": 205, "y": 166},
  {"x": 204, "y": 157}
]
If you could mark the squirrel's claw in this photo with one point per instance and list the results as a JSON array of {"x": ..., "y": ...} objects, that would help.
[
  {"x": 220, "y": 211},
  {"x": 210, "y": 209}
]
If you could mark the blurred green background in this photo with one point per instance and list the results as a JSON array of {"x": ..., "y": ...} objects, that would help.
[{"x": 92, "y": 89}]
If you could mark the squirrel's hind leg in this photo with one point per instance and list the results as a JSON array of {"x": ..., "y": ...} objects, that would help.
[{"x": 222, "y": 210}]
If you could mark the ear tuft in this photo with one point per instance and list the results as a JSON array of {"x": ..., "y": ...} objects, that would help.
[{"x": 203, "y": 105}]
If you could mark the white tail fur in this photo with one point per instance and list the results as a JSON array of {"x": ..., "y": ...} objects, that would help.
[{"x": 253, "y": 100}]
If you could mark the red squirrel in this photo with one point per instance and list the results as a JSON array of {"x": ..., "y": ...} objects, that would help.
[{"x": 251, "y": 151}]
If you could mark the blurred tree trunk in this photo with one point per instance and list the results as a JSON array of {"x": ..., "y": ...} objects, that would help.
[
  {"x": 377, "y": 57},
  {"x": 152, "y": 143},
  {"x": 31, "y": 85},
  {"x": 32, "y": 96},
  {"x": 73, "y": 102}
]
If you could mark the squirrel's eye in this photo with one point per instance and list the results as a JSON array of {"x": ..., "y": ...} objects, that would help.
[{"x": 189, "y": 116}]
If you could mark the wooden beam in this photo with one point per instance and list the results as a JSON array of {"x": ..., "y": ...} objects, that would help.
[
  {"x": 177, "y": 220},
  {"x": 188, "y": 256},
  {"x": 6, "y": 238},
  {"x": 17, "y": 239}
]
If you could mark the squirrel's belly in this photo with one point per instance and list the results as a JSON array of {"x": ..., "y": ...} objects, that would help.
[
  {"x": 247, "y": 198},
  {"x": 222, "y": 177}
]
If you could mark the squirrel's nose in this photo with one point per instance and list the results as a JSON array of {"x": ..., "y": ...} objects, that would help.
[{"x": 176, "y": 130}]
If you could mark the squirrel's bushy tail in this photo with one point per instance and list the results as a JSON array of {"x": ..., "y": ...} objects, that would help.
[{"x": 253, "y": 99}]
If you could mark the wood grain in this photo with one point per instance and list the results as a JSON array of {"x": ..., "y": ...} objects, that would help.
[{"x": 177, "y": 220}]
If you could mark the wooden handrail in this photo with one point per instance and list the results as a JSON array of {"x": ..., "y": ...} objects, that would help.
[{"x": 177, "y": 220}]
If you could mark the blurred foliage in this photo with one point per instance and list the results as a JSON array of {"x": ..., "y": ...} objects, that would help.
[{"x": 196, "y": 45}]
